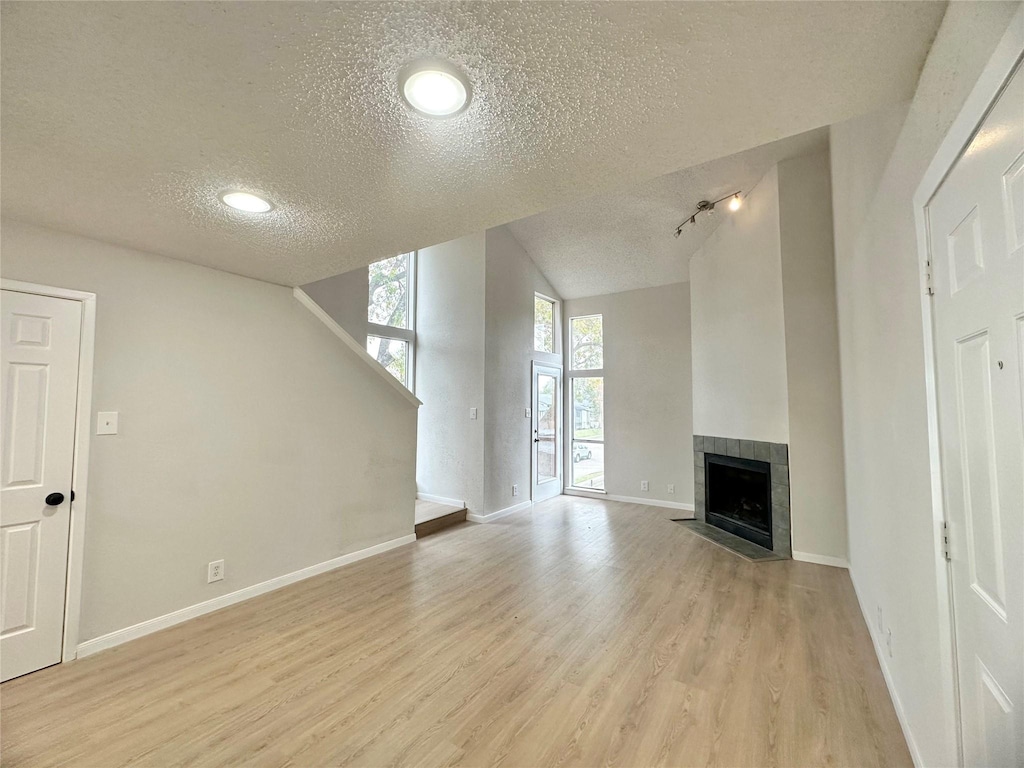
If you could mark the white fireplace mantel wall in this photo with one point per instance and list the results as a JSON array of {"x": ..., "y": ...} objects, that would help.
[
  {"x": 765, "y": 344},
  {"x": 737, "y": 327}
]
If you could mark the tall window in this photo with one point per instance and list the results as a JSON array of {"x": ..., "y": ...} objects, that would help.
[
  {"x": 391, "y": 333},
  {"x": 543, "y": 324},
  {"x": 586, "y": 376}
]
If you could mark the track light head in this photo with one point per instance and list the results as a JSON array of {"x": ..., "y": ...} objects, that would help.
[{"x": 708, "y": 206}]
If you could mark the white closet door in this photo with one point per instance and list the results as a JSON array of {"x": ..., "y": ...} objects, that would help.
[
  {"x": 40, "y": 349},
  {"x": 976, "y": 228}
]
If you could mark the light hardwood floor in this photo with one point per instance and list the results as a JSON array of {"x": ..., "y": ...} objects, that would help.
[{"x": 580, "y": 632}]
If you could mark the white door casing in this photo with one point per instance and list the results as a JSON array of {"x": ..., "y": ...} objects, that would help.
[
  {"x": 41, "y": 337},
  {"x": 975, "y": 224},
  {"x": 546, "y": 432}
]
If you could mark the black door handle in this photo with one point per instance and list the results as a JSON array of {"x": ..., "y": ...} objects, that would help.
[{"x": 55, "y": 499}]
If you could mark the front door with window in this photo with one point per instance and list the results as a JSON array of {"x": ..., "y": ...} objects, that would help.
[{"x": 547, "y": 432}]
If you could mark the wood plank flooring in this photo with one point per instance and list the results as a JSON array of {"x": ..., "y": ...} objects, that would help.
[{"x": 580, "y": 632}]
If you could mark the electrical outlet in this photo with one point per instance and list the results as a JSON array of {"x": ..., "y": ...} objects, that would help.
[
  {"x": 671, "y": 488},
  {"x": 888, "y": 641},
  {"x": 515, "y": 489},
  {"x": 215, "y": 571},
  {"x": 472, "y": 414},
  {"x": 645, "y": 485}
]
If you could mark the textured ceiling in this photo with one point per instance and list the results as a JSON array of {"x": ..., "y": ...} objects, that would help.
[
  {"x": 624, "y": 240},
  {"x": 122, "y": 121}
]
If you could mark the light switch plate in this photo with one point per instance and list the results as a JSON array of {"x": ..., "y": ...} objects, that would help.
[
  {"x": 106, "y": 423},
  {"x": 529, "y": 413},
  {"x": 472, "y": 413}
]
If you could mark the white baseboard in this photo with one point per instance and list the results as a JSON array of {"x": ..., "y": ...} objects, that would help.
[
  {"x": 490, "y": 518},
  {"x": 441, "y": 500},
  {"x": 631, "y": 500},
  {"x": 915, "y": 755},
  {"x": 150, "y": 626},
  {"x": 809, "y": 557}
]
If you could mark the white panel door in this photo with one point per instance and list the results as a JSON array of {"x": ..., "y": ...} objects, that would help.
[
  {"x": 547, "y": 432},
  {"x": 39, "y": 394},
  {"x": 976, "y": 231}
]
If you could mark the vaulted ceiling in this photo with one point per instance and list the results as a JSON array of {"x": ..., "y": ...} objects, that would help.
[
  {"x": 623, "y": 240},
  {"x": 123, "y": 121}
]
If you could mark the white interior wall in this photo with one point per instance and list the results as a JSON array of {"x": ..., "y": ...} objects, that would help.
[
  {"x": 892, "y": 541},
  {"x": 474, "y": 349},
  {"x": 248, "y": 432},
  {"x": 450, "y": 370},
  {"x": 512, "y": 281},
  {"x": 345, "y": 298},
  {"x": 738, "y": 330},
  {"x": 647, "y": 390},
  {"x": 817, "y": 488}
]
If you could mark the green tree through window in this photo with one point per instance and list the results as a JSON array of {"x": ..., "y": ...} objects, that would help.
[
  {"x": 389, "y": 306},
  {"x": 543, "y": 324},
  {"x": 587, "y": 343},
  {"x": 389, "y": 288}
]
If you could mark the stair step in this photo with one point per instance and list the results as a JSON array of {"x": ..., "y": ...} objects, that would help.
[{"x": 436, "y": 524}]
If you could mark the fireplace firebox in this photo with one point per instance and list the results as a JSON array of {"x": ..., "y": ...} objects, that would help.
[{"x": 739, "y": 497}]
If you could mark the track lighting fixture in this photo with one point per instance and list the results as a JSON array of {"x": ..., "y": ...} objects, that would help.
[{"x": 706, "y": 206}]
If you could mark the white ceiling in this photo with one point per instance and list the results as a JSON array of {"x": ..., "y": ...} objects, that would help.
[
  {"x": 624, "y": 240},
  {"x": 122, "y": 121}
]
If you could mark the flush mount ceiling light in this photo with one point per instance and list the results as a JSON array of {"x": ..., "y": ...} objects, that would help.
[
  {"x": 245, "y": 201},
  {"x": 706, "y": 206},
  {"x": 434, "y": 88}
]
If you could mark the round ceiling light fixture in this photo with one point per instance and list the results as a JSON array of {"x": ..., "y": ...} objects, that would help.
[
  {"x": 435, "y": 89},
  {"x": 245, "y": 201}
]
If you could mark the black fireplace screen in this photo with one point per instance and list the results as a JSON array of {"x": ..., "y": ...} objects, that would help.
[{"x": 739, "y": 497}]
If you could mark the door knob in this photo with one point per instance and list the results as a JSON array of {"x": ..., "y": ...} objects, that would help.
[{"x": 55, "y": 499}]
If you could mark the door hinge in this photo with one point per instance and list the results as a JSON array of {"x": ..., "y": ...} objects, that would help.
[
  {"x": 945, "y": 542},
  {"x": 929, "y": 287}
]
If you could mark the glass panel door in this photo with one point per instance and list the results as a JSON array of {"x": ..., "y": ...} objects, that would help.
[{"x": 547, "y": 433}]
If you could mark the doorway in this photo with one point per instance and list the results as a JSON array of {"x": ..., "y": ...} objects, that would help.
[
  {"x": 546, "y": 450},
  {"x": 47, "y": 371},
  {"x": 973, "y": 222}
]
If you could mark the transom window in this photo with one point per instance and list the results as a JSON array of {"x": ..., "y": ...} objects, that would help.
[
  {"x": 391, "y": 333},
  {"x": 587, "y": 335},
  {"x": 544, "y": 324}
]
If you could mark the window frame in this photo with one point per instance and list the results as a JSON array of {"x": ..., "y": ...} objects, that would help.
[
  {"x": 392, "y": 332},
  {"x": 571, "y": 374},
  {"x": 556, "y": 329}
]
